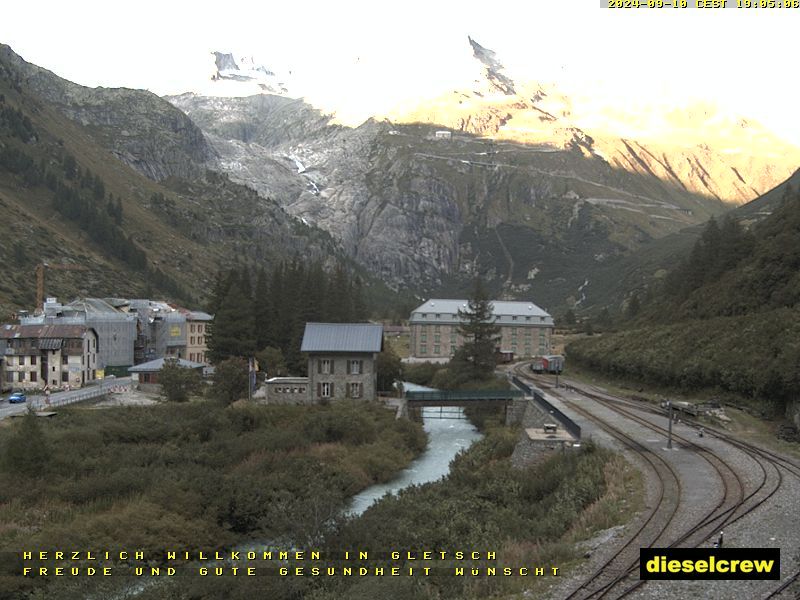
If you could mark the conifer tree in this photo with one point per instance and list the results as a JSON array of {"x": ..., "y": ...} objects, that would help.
[
  {"x": 360, "y": 313},
  {"x": 232, "y": 333},
  {"x": 262, "y": 311},
  {"x": 475, "y": 358}
]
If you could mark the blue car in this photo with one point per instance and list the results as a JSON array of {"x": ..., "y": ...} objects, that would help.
[{"x": 17, "y": 398}]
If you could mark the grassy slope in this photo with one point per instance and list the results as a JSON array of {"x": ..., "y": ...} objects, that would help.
[{"x": 202, "y": 226}]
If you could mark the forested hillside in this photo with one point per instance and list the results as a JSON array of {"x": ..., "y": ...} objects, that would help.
[{"x": 727, "y": 316}]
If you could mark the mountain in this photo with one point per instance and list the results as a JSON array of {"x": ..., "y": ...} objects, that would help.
[
  {"x": 504, "y": 178},
  {"x": 513, "y": 185},
  {"x": 644, "y": 271},
  {"x": 726, "y": 314},
  {"x": 249, "y": 76},
  {"x": 114, "y": 180}
]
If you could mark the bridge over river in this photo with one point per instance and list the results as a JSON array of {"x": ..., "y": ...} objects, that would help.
[{"x": 417, "y": 400}]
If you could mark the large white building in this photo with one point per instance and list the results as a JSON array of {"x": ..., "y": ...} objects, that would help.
[{"x": 525, "y": 329}]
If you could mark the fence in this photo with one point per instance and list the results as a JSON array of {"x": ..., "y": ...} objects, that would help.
[
  {"x": 105, "y": 386},
  {"x": 571, "y": 426}
]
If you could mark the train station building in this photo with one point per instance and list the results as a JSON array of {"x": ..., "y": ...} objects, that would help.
[{"x": 525, "y": 329}]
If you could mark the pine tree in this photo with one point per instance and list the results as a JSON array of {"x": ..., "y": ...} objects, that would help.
[
  {"x": 360, "y": 312},
  {"x": 262, "y": 311},
  {"x": 475, "y": 358},
  {"x": 232, "y": 333},
  {"x": 27, "y": 451}
]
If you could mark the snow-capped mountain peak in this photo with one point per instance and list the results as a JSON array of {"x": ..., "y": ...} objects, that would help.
[{"x": 243, "y": 75}]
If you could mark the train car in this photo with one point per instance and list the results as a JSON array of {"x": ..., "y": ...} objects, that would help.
[{"x": 552, "y": 363}]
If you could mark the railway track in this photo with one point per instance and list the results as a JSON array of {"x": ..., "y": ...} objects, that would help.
[{"x": 617, "y": 577}]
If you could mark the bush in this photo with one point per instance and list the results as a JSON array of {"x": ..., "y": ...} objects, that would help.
[
  {"x": 231, "y": 378},
  {"x": 177, "y": 382}
]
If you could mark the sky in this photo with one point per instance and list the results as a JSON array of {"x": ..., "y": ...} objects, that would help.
[{"x": 362, "y": 58}]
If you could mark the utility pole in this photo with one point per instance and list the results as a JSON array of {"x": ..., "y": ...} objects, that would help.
[{"x": 669, "y": 415}]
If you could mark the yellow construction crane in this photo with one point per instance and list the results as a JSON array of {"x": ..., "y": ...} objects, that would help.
[{"x": 40, "y": 278}]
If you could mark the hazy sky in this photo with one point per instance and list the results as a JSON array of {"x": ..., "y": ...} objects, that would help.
[{"x": 368, "y": 56}]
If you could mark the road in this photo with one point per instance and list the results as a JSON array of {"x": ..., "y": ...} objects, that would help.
[{"x": 101, "y": 388}]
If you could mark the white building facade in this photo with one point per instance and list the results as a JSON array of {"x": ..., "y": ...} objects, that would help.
[{"x": 525, "y": 329}]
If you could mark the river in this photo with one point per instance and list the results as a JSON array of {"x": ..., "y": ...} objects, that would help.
[{"x": 446, "y": 438}]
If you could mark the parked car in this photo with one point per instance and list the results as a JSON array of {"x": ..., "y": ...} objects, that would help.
[{"x": 17, "y": 398}]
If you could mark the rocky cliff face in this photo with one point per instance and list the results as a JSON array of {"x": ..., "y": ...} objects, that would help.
[
  {"x": 512, "y": 185},
  {"x": 140, "y": 128},
  {"x": 501, "y": 178},
  {"x": 421, "y": 211},
  {"x": 188, "y": 222}
]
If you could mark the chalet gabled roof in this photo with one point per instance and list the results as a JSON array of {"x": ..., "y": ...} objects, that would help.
[{"x": 342, "y": 337}]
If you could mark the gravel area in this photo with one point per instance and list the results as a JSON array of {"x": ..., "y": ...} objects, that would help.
[
  {"x": 772, "y": 524},
  {"x": 129, "y": 397}
]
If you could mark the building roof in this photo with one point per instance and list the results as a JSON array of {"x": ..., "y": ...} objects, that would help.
[
  {"x": 43, "y": 331},
  {"x": 501, "y": 307},
  {"x": 93, "y": 305},
  {"x": 342, "y": 337},
  {"x": 198, "y": 315},
  {"x": 158, "y": 364}
]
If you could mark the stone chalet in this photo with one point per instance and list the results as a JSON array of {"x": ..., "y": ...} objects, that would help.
[
  {"x": 341, "y": 365},
  {"x": 56, "y": 356}
]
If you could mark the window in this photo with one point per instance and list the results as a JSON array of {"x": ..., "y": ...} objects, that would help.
[
  {"x": 436, "y": 338},
  {"x": 64, "y": 359},
  {"x": 355, "y": 367},
  {"x": 514, "y": 318},
  {"x": 423, "y": 337},
  {"x": 423, "y": 348},
  {"x": 356, "y": 390},
  {"x": 191, "y": 328},
  {"x": 191, "y": 340},
  {"x": 33, "y": 376},
  {"x": 201, "y": 328},
  {"x": 33, "y": 361},
  {"x": 527, "y": 318},
  {"x": 438, "y": 316},
  {"x": 541, "y": 319},
  {"x": 21, "y": 361},
  {"x": 65, "y": 377},
  {"x": 201, "y": 340},
  {"x": 436, "y": 349},
  {"x": 424, "y": 315},
  {"x": 326, "y": 390},
  {"x": 325, "y": 366},
  {"x": 437, "y": 327}
]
